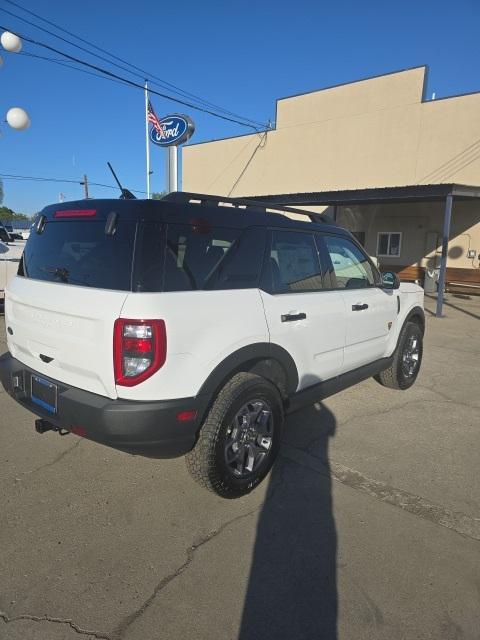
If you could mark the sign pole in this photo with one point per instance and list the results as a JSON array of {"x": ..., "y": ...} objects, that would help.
[
  {"x": 147, "y": 142},
  {"x": 172, "y": 169},
  {"x": 170, "y": 131}
]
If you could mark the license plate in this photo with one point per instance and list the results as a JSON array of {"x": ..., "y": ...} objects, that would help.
[{"x": 44, "y": 393}]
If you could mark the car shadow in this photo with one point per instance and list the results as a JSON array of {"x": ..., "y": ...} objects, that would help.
[{"x": 292, "y": 589}]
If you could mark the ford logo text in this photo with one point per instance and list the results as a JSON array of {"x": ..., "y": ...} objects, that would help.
[{"x": 174, "y": 130}]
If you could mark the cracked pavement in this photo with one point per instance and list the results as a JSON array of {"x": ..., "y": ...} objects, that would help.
[{"x": 368, "y": 526}]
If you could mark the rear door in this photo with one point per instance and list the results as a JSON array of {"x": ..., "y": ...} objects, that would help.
[
  {"x": 303, "y": 318},
  {"x": 60, "y": 310},
  {"x": 370, "y": 311}
]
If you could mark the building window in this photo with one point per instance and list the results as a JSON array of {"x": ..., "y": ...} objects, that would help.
[{"x": 389, "y": 244}]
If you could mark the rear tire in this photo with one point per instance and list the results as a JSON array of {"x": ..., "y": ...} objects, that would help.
[
  {"x": 240, "y": 438},
  {"x": 407, "y": 359}
]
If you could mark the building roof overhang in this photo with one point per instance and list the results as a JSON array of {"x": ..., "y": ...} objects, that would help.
[{"x": 377, "y": 195}]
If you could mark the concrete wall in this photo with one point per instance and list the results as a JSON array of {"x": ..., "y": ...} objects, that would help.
[
  {"x": 421, "y": 225},
  {"x": 372, "y": 133}
]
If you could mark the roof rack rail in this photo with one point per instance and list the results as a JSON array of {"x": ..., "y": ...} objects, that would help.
[{"x": 245, "y": 204}]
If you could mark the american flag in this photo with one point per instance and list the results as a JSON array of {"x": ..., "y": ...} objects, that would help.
[{"x": 152, "y": 118}]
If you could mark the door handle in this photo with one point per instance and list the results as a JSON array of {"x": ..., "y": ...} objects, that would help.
[
  {"x": 291, "y": 317},
  {"x": 359, "y": 307}
]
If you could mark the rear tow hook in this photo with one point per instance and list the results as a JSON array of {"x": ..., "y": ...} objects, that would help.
[{"x": 42, "y": 426}]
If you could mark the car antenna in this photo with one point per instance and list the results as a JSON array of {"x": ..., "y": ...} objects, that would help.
[{"x": 126, "y": 194}]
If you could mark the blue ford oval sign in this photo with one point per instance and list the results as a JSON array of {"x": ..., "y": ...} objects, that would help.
[{"x": 174, "y": 130}]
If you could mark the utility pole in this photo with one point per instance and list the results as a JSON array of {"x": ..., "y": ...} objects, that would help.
[{"x": 85, "y": 185}]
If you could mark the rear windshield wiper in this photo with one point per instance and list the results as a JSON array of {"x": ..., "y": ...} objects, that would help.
[
  {"x": 64, "y": 275},
  {"x": 58, "y": 272}
]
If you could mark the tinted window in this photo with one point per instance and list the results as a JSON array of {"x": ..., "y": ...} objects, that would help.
[
  {"x": 149, "y": 257},
  {"x": 78, "y": 252},
  {"x": 293, "y": 263},
  {"x": 188, "y": 257},
  {"x": 192, "y": 254},
  {"x": 241, "y": 266},
  {"x": 351, "y": 267}
]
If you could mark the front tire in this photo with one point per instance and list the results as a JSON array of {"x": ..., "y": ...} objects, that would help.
[
  {"x": 407, "y": 359},
  {"x": 240, "y": 438}
]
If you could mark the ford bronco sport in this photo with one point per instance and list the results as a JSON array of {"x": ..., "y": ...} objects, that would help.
[{"x": 192, "y": 325}]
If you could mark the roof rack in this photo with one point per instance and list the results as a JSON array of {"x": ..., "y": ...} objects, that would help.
[{"x": 244, "y": 204}]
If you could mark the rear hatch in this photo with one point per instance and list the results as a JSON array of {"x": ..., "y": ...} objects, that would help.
[{"x": 76, "y": 274}]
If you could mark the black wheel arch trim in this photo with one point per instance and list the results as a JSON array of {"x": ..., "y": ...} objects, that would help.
[
  {"x": 416, "y": 311},
  {"x": 247, "y": 357}
]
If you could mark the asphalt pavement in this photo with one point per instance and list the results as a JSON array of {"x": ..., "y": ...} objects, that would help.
[{"x": 368, "y": 526}]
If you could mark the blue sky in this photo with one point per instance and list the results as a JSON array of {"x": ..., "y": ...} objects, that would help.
[{"x": 242, "y": 56}]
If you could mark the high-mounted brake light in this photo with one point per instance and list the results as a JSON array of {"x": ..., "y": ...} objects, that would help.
[
  {"x": 75, "y": 213},
  {"x": 139, "y": 350}
]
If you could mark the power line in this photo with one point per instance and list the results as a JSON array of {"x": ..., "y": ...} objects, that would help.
[
  {"x": 61, "y": 63},
  {"x": 130, "y": 82},
  {"x": 159, "y": 81},
  {"x": 10, "y": 176},
  {"x": 262, "y": 142},
  {"x": 162, "y": 82}
]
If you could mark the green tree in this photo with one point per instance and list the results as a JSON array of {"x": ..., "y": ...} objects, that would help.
[
  {"x": 7, "y": 214},
  {"x": 158, "y": 195}
]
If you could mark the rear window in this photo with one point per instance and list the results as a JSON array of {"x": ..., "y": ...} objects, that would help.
[{"x": 79, "y": 252}]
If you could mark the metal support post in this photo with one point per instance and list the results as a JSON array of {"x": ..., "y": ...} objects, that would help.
[
  {"x": 172, "y": 169},
  {"x": 443, "y": 263}
]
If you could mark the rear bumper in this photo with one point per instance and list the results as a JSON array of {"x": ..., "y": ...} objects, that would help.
[{"x": 144, "y": 428}]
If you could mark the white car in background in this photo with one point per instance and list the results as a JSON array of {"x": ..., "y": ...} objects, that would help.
[{"x": 10, "y": 254}]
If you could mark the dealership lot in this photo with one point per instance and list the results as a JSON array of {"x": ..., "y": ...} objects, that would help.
[{"x": 368, "y": 527}]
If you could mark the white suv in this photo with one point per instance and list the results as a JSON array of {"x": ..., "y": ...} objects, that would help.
[{"x": 193, "y": 324}]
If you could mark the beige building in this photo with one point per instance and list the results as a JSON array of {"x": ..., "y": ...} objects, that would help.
[{"x": 385, "y": 160}]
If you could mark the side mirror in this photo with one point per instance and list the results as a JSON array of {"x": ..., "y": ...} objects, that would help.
[{"x": 390, "y": 280}]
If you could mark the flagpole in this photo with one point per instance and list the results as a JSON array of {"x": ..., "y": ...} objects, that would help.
[{"x": 147, "y": 143}]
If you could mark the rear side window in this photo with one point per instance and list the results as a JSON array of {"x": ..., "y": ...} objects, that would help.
[
  {"x": 79, "y": 252},
  {"x": 181, "y": 257},
  {"x": 193, "y": 252},
  {"x": 242, "y": 265}
]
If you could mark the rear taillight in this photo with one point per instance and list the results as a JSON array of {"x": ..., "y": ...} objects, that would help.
[{"x": 139, "y": 350}]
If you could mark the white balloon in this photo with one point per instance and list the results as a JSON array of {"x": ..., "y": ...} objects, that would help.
[
  {"x": 11, "y": 42},
  {"x": 18, "y": 118}
]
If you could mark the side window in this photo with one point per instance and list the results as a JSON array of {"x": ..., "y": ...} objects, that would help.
[
  {"x": 149, "y": 257},
  {"x": 193, "y": 252},
  {"x": 293, "y": 263},
  {"x": 351, "y": 268},
  {"x": 241, "y": 267}
]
